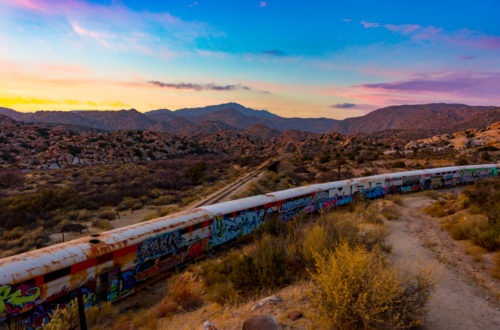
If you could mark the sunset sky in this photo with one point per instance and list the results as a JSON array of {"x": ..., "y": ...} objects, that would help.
[{"x": 311, "y": 58}]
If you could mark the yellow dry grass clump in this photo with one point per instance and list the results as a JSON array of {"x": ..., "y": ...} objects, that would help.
[{"x": 356, "y": 288}]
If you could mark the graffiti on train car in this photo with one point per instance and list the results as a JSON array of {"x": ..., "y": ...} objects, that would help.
[
  {"x": 40, "y": 315},
  {"x": 143, "y": 271},
  {"x": 298, "y": 203},
  {"x": 289, "y": 210},
  {"x": 374, "y": 192},
  {"x": 159, "y": 246},
  {"x": 332, "y": 202},
  {"x": 479, "y": 172},
  {"x": 225, "y": 228},
  {"x": 18, "y": 298}
]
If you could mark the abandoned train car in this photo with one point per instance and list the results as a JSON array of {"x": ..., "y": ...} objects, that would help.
[{"x": 110, "y": 265}]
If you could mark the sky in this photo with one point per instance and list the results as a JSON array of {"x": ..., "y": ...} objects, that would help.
[{"x": 334, "y": 59}]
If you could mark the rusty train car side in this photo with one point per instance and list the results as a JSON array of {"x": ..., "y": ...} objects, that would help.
[{"x": 109, "y": 266}]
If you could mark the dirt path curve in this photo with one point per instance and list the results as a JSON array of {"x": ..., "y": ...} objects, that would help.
[{"x": 458, "y": 301}]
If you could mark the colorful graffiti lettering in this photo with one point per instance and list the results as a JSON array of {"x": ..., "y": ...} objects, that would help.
[
  {"x": 291, "y": 205},
  {"x": 158, "y": 246},
  {"x": 17, "y": 299},
  {"x": 142, "y": 275},
  {"x": 375, "y": 192},
  {"x": 225, "y": 229},
  {"x": 41, "y": 314},
  {"x": 333, "y": 201}
]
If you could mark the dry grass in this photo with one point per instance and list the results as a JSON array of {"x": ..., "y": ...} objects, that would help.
[
  {"x": 232, "y": 316},
  {"x": 476, "y": 252},
  {"x": 356, "y": 288}
]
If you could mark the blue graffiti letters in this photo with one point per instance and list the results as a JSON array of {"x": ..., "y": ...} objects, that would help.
[{"x": 159, "y": 246}]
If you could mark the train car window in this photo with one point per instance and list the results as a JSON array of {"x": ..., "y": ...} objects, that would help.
[
  {"x": 184, "y": 231},
  {"x": 56, "y": 274}
]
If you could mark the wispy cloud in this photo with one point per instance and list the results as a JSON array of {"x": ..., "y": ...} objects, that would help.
[
  {"x": 99, "y": 36},
  {"x": 403, "y": 28},
  {"x": 262, "y": 4},
  {"x": 369, "y": 24},
  {"x": 120, "y": 28},
  {"x": 466, "y": 57},
  {"x": 347, "y": 20},
  {"x": 198, "y": 87},
  {"x": 275, "y": 52},
  {"x": 463, "y": 38},
  {"x": 343, "y": 105}
]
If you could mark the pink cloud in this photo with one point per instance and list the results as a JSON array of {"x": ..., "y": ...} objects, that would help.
[
  {"x": 262, "y": 4},
  {"x": 369, "y": 24},
  {"x": 463, "y": 38},
  {"x": 475, "y": 87},
  {"x": 29, "y": 4}
]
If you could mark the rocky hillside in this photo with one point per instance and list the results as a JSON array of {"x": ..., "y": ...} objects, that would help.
[
  {"x": 438, "y": 117},
  {"x": 426, "y": 119},
  {"x": 485, "y": 139}
]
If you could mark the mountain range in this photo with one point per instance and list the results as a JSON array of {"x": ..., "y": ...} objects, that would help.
[{"x": 427, "y": 119}]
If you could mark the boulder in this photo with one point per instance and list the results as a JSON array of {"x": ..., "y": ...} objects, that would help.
[{"x": 261, "y": 322}]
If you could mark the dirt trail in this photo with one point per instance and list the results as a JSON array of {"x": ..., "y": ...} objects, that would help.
[{"x": 458, "y": 300}]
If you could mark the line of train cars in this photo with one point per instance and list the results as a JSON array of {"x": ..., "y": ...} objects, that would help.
[{"x": 110, "y": 265}]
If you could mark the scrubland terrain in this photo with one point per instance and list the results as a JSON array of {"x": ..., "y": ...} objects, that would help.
[
  {"x": 385, "y": 263},
  {"x": 44, "y": 206}
]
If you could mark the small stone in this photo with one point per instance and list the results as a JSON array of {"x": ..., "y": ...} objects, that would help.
[
  {"x": 295, "y": 315},
  {"x": 207, "y": 325},
  {"x": 261, "y": 322}
]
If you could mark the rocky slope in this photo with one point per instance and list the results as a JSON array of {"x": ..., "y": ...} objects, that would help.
[
  {"x": 426, "y": 119},
  {"x": 438, "y": 117},
  {"x": 485, "y": 138}
]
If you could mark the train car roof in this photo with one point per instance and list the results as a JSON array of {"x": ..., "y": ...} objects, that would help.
[
  {"x": 21, "y": 267},
  {"x": 333, "y": 184},
  {"x": 294, "y": 192},
  {"x": 237, "y": 205}
]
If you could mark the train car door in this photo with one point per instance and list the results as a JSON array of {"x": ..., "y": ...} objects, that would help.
[{"x": 108, "y": 285}]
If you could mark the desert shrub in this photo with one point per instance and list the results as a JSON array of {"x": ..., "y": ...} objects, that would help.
[
  {"x": 244, "y": 274},
  {"x": 476, "y": 228},
  {"x": 398, "y": 164},
  {"x": 270, "y": 256},
  {"x": 9, "y": 178},
  {"x": 355, "y": 288},
  {"x": 439, "y": 209},
  {"x": 63, "y": 317},
  {"x": 130, "y": 203},
  {"x": 102, "y": 224},
  {"x": 107, "y": 215},
  {"x": 196, "y": 171},
  {"x": 79, "y": 215},
  {"x": 396, "y": 199},
  {"x": 99, "y": 314},
  {"x": 390, "y": 212},
  {"x": 164, "y": 200}
]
